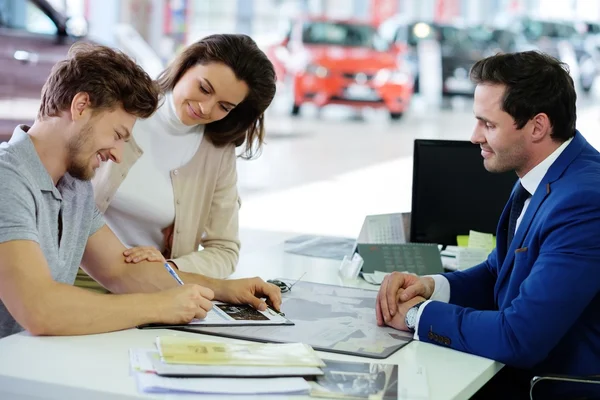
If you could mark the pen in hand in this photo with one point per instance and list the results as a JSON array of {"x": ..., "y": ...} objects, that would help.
[{"x": 173, "y": 273}]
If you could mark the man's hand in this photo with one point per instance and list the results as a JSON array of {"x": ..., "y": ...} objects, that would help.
[
  {"x": 249, "y": 291},
  {"x": 398, "y": 321},
  {"x": 400, "y": 287},
  {"x": 143, "y": 253},
  {"x": 183, "y": 303}
]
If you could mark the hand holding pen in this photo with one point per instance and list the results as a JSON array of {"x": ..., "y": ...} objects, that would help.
[{"x": 183, "y": 303}]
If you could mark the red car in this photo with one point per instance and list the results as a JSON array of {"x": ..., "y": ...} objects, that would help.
[{"x": 341, "y": 62}]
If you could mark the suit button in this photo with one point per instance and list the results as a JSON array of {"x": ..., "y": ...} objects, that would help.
[
  {"x": 447, "y": 342},
  {"x": 178, "y": 202},
  {"x": 430, "y": 335}
]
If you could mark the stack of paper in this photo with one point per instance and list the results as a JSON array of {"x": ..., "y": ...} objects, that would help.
[
  {"x": 148, "y": 360},
  {"x": 181, "y": 350},
  {"x": 336, "y": 379},
  {"x": 181, "y": 364}
]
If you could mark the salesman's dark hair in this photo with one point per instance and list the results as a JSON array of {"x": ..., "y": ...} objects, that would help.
[{"x": 535, "y": 83}]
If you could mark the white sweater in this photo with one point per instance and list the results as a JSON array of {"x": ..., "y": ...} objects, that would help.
[{"x": 144, "y": 204}]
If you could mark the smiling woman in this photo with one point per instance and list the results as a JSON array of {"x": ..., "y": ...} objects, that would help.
[{"x": 175, "y": 190}]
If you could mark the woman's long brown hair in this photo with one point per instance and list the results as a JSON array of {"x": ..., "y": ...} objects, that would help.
[{"x": 245, "y": 123}]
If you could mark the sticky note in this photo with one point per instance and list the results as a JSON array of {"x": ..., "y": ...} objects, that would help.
[
  {"x": 462, "y": 240},
  {"x": 479, "y": 240}
]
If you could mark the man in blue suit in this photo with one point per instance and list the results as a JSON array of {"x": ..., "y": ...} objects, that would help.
[{"x": 533, "y": 304}]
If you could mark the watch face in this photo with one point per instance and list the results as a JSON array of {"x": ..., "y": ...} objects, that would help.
[{"x": 411, "y": 316}]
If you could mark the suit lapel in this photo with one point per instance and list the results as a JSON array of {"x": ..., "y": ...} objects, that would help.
[
  {"x": 543, "y": 191},
  {"x": 502, "y": 230}
]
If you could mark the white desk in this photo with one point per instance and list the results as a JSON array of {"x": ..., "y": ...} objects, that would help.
[{"x": 97, "y": 366}]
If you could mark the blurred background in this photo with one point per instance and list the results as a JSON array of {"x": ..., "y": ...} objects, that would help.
[{"x": 358, "y": 82}]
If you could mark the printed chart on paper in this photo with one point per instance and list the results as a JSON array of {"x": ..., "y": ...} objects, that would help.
[{"x": 329, "y": 318}]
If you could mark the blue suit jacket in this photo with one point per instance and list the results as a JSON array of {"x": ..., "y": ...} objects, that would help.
[{"x": 535, "y": 305}]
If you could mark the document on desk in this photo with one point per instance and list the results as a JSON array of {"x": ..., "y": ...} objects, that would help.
[
  {"x": 185, "y": 350},
  {"x": 148, "y": 360},
  {"x": 233, "y": 315},
  {"x": 356, "y": 380},
  {"x": 328, "y": 318},
  {"x": 152, "y": 383}
]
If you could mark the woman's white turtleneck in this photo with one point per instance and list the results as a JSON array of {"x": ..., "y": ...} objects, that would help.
[{"x": 144, "y": 203}]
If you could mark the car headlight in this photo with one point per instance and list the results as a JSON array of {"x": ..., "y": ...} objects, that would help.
[
  {"x": 318, "y": 70},
  {"x": 397, "y": 77},
  {"x": 400, "y": 78}
]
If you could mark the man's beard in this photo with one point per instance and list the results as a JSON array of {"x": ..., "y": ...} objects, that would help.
[{"x": 79, "y": 164}]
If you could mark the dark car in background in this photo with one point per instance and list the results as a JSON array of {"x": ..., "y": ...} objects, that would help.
[
  {"x": 459, "y": 50},
  {"x": 33, "y": 37},
  {"x": 547, "y": 36}
]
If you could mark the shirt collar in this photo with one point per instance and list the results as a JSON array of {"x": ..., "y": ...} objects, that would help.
[
  {"x": 533, "y": 178},
  {"x": 26, "y": 150}
]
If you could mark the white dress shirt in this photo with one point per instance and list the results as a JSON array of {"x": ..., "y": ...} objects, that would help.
[{"x": 530, "y": 182}]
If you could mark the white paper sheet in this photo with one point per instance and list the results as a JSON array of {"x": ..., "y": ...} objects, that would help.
[
  {"x": 152, "y": 383},
  {"x": 140, "y": 360},
  {"x": 469, "y": 257},
  {"x": 375, "y": 278}
]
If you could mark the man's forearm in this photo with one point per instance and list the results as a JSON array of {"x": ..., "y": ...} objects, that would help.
[
  {"x": 148, "y": 277},
  {"x": 67, "y": 310}
]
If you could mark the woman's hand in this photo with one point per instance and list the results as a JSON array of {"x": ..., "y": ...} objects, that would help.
[{"x": 143, "y": 253}]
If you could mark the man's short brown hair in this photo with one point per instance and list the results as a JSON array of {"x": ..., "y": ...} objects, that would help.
[{"x": 108, "y": 76}]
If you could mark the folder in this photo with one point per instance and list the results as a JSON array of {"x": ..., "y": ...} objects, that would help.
[{"x": 383, "y": 247}]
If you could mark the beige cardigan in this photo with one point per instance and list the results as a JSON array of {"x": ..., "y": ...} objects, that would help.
[{"x": 206, "y": 206}]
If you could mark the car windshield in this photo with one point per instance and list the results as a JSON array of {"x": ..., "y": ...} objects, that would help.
[
  {"x": 537, "y": 29},
  {"x": 448, "y": 35},
  {"x": 342, "y": 34},
  {"x": 25, "y": 15}
]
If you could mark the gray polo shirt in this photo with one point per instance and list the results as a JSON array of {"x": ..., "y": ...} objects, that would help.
[{"x": 30, "y": 208}]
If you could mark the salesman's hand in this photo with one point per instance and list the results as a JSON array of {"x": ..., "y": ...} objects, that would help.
[
  {"x": 399, "y": 287},
  {"x": 398, "y": 321},
  {"x": 249, "y": 291},
  {"x": 181, "y": 304},
  {"x": 143, "y": 253}
]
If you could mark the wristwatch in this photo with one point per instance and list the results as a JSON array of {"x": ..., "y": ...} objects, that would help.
[{"x": 411, "y": 316}]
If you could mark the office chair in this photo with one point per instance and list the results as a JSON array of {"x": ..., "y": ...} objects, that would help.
[{"x": 562, "y": 378}]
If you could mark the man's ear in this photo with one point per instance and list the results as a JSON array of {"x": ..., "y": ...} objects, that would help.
[
  {"x": 542, "y": 127},
  {"x": 80, "y": 106}
]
